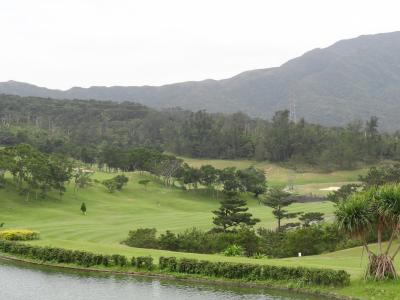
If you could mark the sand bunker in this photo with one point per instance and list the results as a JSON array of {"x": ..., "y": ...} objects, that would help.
[{"x": 331, "y": 188}]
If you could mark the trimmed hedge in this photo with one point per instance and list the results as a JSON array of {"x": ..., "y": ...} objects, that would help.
[
  {"x": 302, "y": 275},
  {"x": 82, "y": 258},
  {"x": 19, "y": 235},
  {"x": 145, "y": 262},
  {"x": 59, "y": 255},
  {"x": 168, "y": 263}
]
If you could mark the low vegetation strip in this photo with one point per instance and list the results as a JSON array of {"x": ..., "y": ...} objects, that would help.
[
  {"x": 19, "y": 235},
  {"x": 255, "y": 272},
  {"x": 81, "y": 258},
  {"x": 248, "y": 272}
]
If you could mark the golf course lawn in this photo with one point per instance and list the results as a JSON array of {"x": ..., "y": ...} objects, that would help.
[
  {"x": 279, "y": 175},
  {"x": 110, "y": 217}
]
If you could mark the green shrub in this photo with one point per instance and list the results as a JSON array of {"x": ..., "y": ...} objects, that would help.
[
  {"x": 145, "y": 262},
  {"x": 119, "y": 260},
  {"x": 196, "y": 241},
  {"x": 168, "y": 263},
  {"x": 98, "y": 259},
  {"x": 115, "y": 183},
  {"x": 142, "y": 238},
  {"x": 168, "y": 241},
  {"x": 106, "y": 260},
  {"x": 133, "y": 262},
  {"x": 234, "y": 250}
]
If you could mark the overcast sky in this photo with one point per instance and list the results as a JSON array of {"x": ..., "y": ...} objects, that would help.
[{"x": 65, "y": 43}]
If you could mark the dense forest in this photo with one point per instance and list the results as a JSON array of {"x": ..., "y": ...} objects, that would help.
[{"x": 88, "y": 130}]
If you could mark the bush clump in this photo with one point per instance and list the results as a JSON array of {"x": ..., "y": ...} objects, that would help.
[
  {"x": 19, "y": 235},
  {"x": 309, "y": 240},
  {"x": 144, "y": 262},
  {"x": 142, "y": 238},
  {"x": 234, "y": 250},
  {"x": 115, "y": 183},
  {"x": 168, "y": 263}
]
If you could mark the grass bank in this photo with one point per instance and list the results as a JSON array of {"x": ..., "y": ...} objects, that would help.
[
  {"x": 358, "y": 288},
  {"x": 287, "y": 285}
]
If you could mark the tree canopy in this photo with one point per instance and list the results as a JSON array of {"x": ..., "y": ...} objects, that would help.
[{"x": 102, "y": 132}]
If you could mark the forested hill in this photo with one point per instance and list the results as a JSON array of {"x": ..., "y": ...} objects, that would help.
[
  {"x": 352, "y": 79},
  {"x": 96, "y": 131}
]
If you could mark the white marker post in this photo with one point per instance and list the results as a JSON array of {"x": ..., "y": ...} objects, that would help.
[{"x": 299, "y": 254}]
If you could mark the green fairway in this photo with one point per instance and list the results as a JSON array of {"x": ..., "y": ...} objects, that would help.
[
  {"x": 306, "y": 182},
  {"x": 111, "y": 216}
]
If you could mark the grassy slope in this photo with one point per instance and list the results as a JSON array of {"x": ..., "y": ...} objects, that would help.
[
  {"x": 111, "y": 216},
  {"x": 310, "y": 182}
]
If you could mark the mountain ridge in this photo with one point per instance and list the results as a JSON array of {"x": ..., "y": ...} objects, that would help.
[{"x": 351, "y": 79}]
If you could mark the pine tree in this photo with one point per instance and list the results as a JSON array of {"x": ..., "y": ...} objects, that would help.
[
  {"x": 277, "y": 199},
  {"x": 233, "y": 213}
]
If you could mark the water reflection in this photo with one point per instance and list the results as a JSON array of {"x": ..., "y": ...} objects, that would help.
[{"x": 22, "y": 282}]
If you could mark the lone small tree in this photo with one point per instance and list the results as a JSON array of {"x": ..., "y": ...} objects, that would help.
[
  {"x": 83, "y": 208},
  {"x": 233, "y": 213},
  {"x": 82, "y": 178},
  {"x": 373, "y": 211},
  {"x": 115, "y": 183},
  {"x": 277, "y": 199}
]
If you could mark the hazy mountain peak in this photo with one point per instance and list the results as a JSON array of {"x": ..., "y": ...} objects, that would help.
[{"x": 351, "y": 79}]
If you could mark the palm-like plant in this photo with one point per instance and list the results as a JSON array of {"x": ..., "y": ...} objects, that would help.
[
  {"x": 376, "y": 210},
  {"x": 355, "y": 216}
]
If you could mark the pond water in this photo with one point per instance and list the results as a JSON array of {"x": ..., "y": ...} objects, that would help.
[{"x": 19, "y": 281}]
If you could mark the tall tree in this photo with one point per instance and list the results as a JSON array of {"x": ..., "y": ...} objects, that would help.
[
  {"x": 279, "y": 146},
  {"x": 231, "y": 183},
  {"x": 233, "y": 213},
  {"x": 277, "y": 199},
  {"x": 373, "y": 139},
  {"x": 253, "y": 180}
]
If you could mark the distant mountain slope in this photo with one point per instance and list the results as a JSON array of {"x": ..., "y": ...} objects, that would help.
[{"x": 352, "y": 79}]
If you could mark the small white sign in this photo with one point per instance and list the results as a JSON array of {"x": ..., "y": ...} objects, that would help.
[{"x": 299, "y": 254}]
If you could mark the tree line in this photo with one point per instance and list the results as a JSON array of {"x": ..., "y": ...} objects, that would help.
[
  {"x": 35, "y": 173},
  {"x": 91, "y": 130}
]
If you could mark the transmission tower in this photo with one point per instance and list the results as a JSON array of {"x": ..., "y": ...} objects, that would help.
[{"x": 292, "y": 112}]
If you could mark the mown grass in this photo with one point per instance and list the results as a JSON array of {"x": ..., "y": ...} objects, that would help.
[
  {"x": 111, "y": 216},
  {"x": 280, "y": 175}
]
